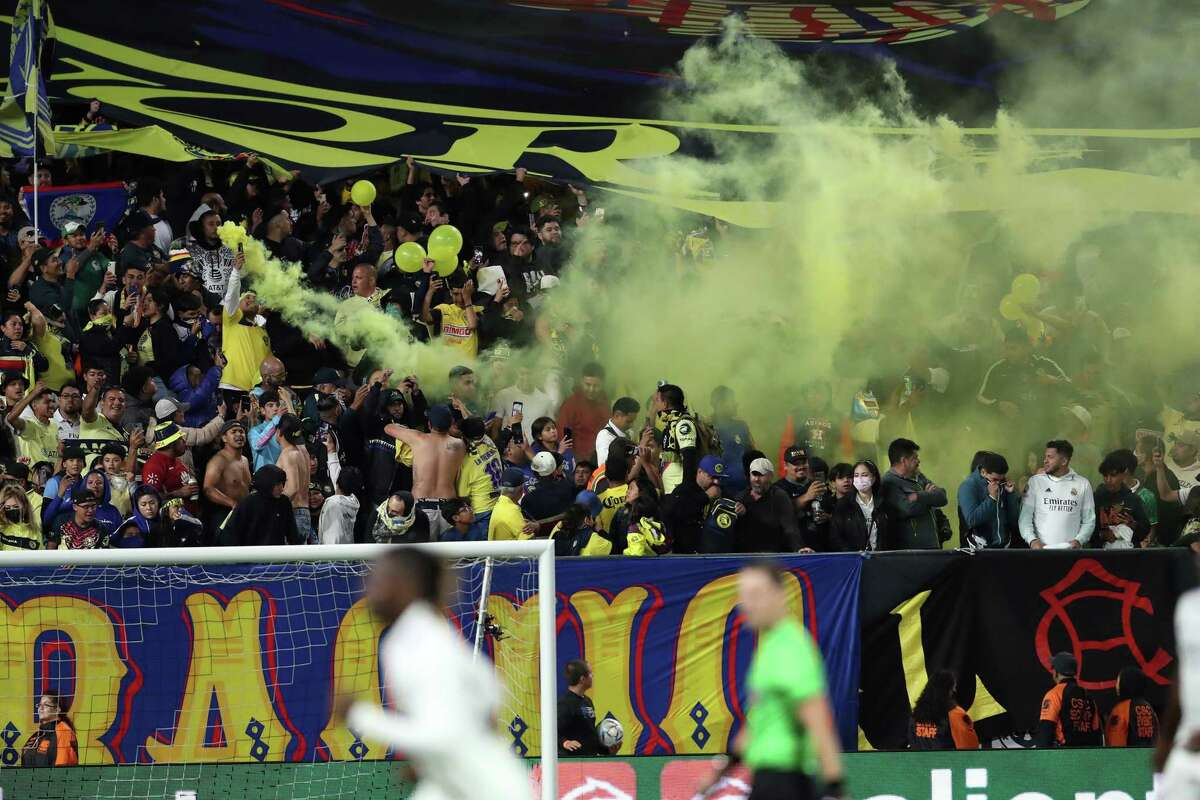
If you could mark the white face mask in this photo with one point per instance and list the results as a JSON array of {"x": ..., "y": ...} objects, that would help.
[{"x": 863, "y": 484}]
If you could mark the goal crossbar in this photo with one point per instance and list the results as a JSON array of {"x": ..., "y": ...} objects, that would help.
[{"x": 541, "y": 550}]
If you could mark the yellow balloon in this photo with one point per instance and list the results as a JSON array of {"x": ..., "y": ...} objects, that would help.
[
  {"x": 362, "y": 193},
  {"x": 445, "y": 237},
  {"x": 1010, "y": 307},
  {"x": 1026, "y": 287},
  {"x": 409, "y": 257},
  {"x": 446, "y": 262}
]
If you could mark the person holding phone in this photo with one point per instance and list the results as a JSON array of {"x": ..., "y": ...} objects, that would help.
[{"x": 91, "y": 255}]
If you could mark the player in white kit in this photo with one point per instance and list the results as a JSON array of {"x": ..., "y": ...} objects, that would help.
[
  {"x": 446, "y": 703},
  {"x": 1181, "y": 723}
]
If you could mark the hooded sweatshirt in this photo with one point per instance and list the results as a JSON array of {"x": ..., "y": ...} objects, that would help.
[
  {"x": 261, "y": 518},
  {"x": 1058, "y": 511},
  {"x": 63, "y": 508},
  {"x": 337, "y": 519}
]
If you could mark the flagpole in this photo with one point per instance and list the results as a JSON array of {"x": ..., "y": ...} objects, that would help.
[{"x": 36, "y": 231}]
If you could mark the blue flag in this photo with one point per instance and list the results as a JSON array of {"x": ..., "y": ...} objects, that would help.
[
  {"x": 26, "y": 104},
  {"x": 92, "y": 204}
]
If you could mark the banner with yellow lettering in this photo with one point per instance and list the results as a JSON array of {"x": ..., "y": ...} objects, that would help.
[{"x": 239, "y": 663}]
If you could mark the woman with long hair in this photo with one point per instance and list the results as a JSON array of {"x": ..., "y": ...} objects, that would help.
[
  {"x": 860, "y": 520},
  {"x": 18, "y": 530},
  {"x": 53, "y": 744},
  {"x": 938, "y": 721}
]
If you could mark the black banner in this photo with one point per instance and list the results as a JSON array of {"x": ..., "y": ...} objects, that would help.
[{"x": 996, "y": 618}]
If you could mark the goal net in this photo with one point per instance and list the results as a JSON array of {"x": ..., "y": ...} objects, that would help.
[{"x": 207, "y": 673}]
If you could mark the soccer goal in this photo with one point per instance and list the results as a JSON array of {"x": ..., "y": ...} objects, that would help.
[{"x": 210, "y": 672}]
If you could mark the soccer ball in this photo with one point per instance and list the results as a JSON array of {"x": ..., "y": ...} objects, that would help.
[{"x": 611, "y": 732}]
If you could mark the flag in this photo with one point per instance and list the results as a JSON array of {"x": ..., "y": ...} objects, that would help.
[
  {"x": 93, "y": 204},
  {"x": 26, "y": 104}
]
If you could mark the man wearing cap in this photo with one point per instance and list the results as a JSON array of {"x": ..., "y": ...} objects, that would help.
[
  {"x": 1069, "y": 715},
  {"x": 698, "y": 518},
  {"x": 798, "y": 483},
  {"x": 81, "y": 531},
  {"x": 508, "y": 523},
  {"x": 92, "y": 262},
  {"x": 54, "y": 286},
  {"x": 72, "y": 470},
  {"x": 1178, "y": 472},
  {"x": 37, "y": 438},
  {"x": 165, "y": 473},
  {"x": 437, "y": 457},
  {"x": 139, "y": 251},
  {"x": 769, "y": 523},
  {"x": 479, "y": 477},
  {"x": 551, "y": 493},
  {"x": 325, "y": 384}
]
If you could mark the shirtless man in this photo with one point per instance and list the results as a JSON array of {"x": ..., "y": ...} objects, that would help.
[
  {"x": 437, "y": 457},
  {"x": 293, "y": 460},
  {"x": 227, "y": 476}
]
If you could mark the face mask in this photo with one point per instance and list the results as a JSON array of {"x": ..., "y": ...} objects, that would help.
[
  {"x": 12, "y": 514},
  {"x": 863, "y": 484}
]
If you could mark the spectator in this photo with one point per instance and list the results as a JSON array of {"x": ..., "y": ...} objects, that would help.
[
  {"x": 293, "y": 460},
  {"x": 91, "y": 259},
  {"x": 265, "y": 515},
  {"x": 101, "y": 418},
  {"x": 244, "y": 343},
  {"x": 508, "y": 522},
  {"x": 437, "y": 457},
  {"x": 140, "y": 251},
  {"x": 680, "y": 440},
  {"x": 861, "y": 520},
  {"x": 583, "y": 474},
  {"x": 735, "y": 438},
  {"x": 718, "y": 528},
  {"x": 153, "y": 200},
  {"x": 197, "y": 393},
  {"x": 1132, "y": 722},
  {"x": 264, "y": 445},
  {"x": 1058, "y": 510},
  {"x": 1179, "y": 472},
  {"x": 464, "y": 387},
  {"x": 98, "y": 346},
  {"x": 769, "y": 523},
  {"x": 107, "y": 516},
  {"x": 912, "y": 500},
  {"x": 576, "y": 535},
  {"x": 37, "y": 436},
  {"x": 938, "y": 721},
  {"x": 54, "y": 743},
  {"x": 1021, "y": 383},
  {"x": 546, "y": 439},
  {"x": 214, "y": 260},
  {"x": 67, "y": 417},
  {"x": 524, "y": 402},
  {"x": 166, "y": 473},
  {"x": 397, "y": 521},
  {"x": 585, "y": 412},
  {"x": 1121, "y": 521},
  {"x": 624, "y": 412},
  {"x": 988, "y": 506},
  {"x": 645, "y": 535},
  {"x": 1069, "y": 715},
  {"x": 798, "y": 483},
  {"x": 551, "y": 254},
  {"x": 479, "y": 476},
  {"x": 814, "y": 425},
  {"x": 55, "y": 286},
  {"x": 551, "y": 493},
  {"x": 19, "y": 529},
  {"x": 14, "y": 345},
  {"x": 80, "y": 531},
  {"x": 227, "y": 475},
  {"x": 456, "y": 321},
  {"x": 62, "y": 481},
  {"x": 339, "y": 512}
]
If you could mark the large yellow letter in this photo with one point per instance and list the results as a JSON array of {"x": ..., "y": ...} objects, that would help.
[
  {"x": 516, "y": 658},
  {"x": 226, "y": 664},
  {"x": 607, "y": 628},
  {"x": 98, "y": 668},
  {"x": 355, "y": 673}
]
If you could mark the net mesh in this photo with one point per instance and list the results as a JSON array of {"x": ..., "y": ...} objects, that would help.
[{"x": 218, "y": 679}]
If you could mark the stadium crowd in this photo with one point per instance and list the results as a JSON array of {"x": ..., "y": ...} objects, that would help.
[{"x": 150, "y": 400}]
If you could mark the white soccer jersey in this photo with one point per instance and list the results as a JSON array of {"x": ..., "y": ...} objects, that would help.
[
  {"x": 445, "y": 707},
  {"x": 1181, "y": 778},
  {"x": 1058, "y": 511}
]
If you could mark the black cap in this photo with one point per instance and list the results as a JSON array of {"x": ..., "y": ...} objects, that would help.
[
  {"x": 9, "y": 377},
  {"x": 84, "y": 496},
  {"x": 512, "y": 478},
  {"x": 410, "y": 223},
  {"x": 796, "y": 455},
  {"x": 1065, "y": 664},
  {"x": 73, "y": 451},
  {"x": 18, "y": 471},
  {"x": 41, "y": 256},
  {"x": 138, "y": 220},
  {"x": 326, "y": 375}
]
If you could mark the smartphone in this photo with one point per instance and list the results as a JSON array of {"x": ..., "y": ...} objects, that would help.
[
  {"x": 245, "y": 404},
  {"x": 517, "y": 408},
  {"x": 567, "y": 433},
  {"x": 239, "y": 247},
  {"x": 477, "y": 259},
  {"x": 819, "y": 475}
]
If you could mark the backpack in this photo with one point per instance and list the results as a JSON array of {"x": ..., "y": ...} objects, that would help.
[{"x": 708, "y": 439}]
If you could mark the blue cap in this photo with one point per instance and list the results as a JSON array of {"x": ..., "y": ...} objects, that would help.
[
  {"x": 512, "y": 478},
  {"x": 590, "y": 501},
  {"x": 714, "y": 466},
  {"x": 440, "y": 417}
]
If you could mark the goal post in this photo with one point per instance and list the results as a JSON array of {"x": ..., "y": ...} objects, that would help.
[{"x": 89, "y": 567}]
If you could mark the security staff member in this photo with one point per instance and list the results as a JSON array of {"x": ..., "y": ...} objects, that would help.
[
  {"x": 1132, "y": 721},
  {"x": 938, "y": 721},
  {"x": 577, "y": 735},
  {"x": 1069, "y": 716}
]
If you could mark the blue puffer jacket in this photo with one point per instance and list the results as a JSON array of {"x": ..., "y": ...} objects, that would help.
[
  {"x": 994, "y": 522},
  {"x": 202, "y": 400}
]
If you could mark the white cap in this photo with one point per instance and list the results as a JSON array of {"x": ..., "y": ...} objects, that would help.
[
  {"x": 548, "y": 282},
  {"x": 1080, "y": 413},
  {"x": 165, "y": 409},
  {"x": 544, "y": 464},
  {"x": 762, "y": 466}
]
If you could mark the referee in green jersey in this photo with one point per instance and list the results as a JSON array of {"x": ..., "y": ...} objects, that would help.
[{"x": 789, "y": 738}]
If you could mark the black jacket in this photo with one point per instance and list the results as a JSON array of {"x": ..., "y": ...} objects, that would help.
[
  {"x": 769, "y": 525},
  {"x": 848, "y": 528},
  {"x": 577, "y": 722}
]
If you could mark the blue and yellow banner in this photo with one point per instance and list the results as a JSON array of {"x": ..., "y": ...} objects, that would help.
[{"x": 239, "y": 663}]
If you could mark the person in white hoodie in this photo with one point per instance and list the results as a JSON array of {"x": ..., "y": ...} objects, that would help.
[
  {"x": 1058, "y": 510},
  {"x": 338, "y": 513}
]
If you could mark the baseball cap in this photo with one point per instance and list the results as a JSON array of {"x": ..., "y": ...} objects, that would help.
[
  {"x": 549, "y": 282},
  {"x": 85, "y": 496},
  {"x": 139, "y": 220},
  {"x": 231, "y": 424},
  {"x": 393, "y": 396},
  {"x": 326, "y": 375},
  {"x": 590, "y": 501},
  {"x": 1064, "y": 664},
  {"x": 179, "y": 260},
  {"x": 17, "y": 471},
  {"x": 166, "y": 408},
  {"x": 9, "y": 377},
  {"x": 410, "y": 223},
  {"x": 72, "y": 226},
  {"x": 544, "y": 463},
  {"x": 762, "y": 466},
  {"x": 41, "y": 256},
  {"x": 1185, "y": 436},
  {"x": 166, "y": 433},
  {"x": 713, "y": 466},
  {"x": 72, "y": 451},
  {"x": 796, "y": 455},
  {"x": 512, "y": 478}
]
